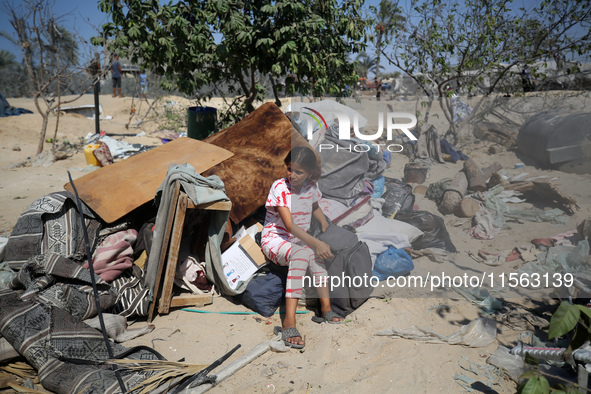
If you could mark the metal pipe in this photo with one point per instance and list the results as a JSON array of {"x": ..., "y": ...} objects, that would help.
[{"x": 551, "y": 353}]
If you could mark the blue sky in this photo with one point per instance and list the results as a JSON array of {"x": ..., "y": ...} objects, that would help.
[{"x": 84, "y": 18}]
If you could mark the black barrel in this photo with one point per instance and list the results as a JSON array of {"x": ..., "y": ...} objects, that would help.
[
  {"x": 553, "y": 138},
  {"x": 201, "y": 122}
]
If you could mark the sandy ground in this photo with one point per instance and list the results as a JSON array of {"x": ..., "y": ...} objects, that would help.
[{"x": 337, "y": 358}]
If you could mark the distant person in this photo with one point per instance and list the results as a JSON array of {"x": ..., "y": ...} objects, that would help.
[
  {"x": 116, "y": 76},
  {"x": 560, "y": 61},
  {"x": 143, "y": 84},
  {"x": 526, "y": 80},
  {"x": 379, "y": 89}
]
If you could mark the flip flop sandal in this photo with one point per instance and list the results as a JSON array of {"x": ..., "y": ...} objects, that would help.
[
  {"x": 290, "y": 332},
  {"x": 327, "y": 318}
]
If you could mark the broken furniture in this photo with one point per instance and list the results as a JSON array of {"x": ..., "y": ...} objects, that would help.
[
  {"x": 169, "y": 255},
  {"x": 116, "y": 190}
]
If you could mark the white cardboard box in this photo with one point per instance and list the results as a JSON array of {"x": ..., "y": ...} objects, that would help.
[{"x": 241, "y": 260}]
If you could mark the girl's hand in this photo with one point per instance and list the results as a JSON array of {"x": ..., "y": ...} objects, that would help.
[
  {"x": 322, "y": 250},
  {"x": 324, "y": 225}
]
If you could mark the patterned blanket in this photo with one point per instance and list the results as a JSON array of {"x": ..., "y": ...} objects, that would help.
[
  {"x": 43, "y": 322},
  {"x": 55, "y": 280},
  {"x": 43, "y": 334},
  {"x": 50, "y": 224}
]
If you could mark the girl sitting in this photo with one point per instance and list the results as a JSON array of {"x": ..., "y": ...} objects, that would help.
[{"x": 290, "y": 205}]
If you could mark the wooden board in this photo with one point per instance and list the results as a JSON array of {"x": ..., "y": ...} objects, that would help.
[
  {"x": 168, "y": 262},
  {"x": 173, "y": 254},
  {"x": 164, "y": 250},
  {"x": 115, "y": 190},
  {"x": 191, "y": 300}
]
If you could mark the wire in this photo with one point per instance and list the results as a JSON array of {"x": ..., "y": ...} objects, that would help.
[
  {"x": 236, "y": 313},
  {"x": 126, "y": 353},
  {"x": 203, "y": 374},
  {"x": 94, "y": 288}
]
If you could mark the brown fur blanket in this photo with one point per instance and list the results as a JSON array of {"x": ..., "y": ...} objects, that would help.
[{"x": 260, "y": 143}]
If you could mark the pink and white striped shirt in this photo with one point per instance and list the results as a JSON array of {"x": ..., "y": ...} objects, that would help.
[{"x": 274, "y": 233}]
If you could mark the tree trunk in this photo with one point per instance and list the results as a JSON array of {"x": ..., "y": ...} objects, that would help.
[
  {"x": 378, "y": 46},
  {"x": 43, "y": 132},
  {"x": 477, "y": 177},
  {"x": 274, "y": 87},
  {"x": 57, "y": 120},
  {"x": 252, "y": 94},
  {"x": 453, "y": 194},
  {"x": 467, "y": 208}
]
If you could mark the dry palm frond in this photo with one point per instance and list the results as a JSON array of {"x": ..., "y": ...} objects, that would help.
[
  {"x": 20, "y": 369},
  {"x": 169, "y": 370},
  {"x": 22, "y": 389}
]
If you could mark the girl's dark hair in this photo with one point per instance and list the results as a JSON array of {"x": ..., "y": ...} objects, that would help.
[{"x": 305, "y": 157}]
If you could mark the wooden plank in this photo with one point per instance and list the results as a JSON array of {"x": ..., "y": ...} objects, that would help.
[
  {"x": 164, "y": 249},
  {"x": 212, "y": 206},
  {"x": 173, "y": 254},
  {"x": 119, "y": 188},
  {"x": 192, "y": 300}
]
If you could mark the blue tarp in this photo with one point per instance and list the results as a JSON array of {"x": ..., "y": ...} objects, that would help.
[{"x": 7, "y": 110}]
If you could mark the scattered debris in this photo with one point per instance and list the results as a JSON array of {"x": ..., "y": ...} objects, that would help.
[
  {"x": 486, "y": 374},
  {"x": 87, "y": 110},
  {"x": 482, "y": 298},
  {"x": 497, "y": 133},
  {"x": 478, "y": 333},
  {"x": 512, "y": 364}
]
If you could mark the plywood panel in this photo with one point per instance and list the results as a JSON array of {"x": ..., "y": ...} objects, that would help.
[{"x": 117, "y": 189}]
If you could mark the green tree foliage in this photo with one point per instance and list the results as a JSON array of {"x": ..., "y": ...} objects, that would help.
[
  {"x": 59, "y": 43},
  {"x": 198, "y": 43},
  {"x": 12, "y": 76},
  {"x": 462, "y": 43}
]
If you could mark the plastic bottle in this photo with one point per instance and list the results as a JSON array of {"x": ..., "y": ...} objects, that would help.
[{"x": 397, "y": 207}]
